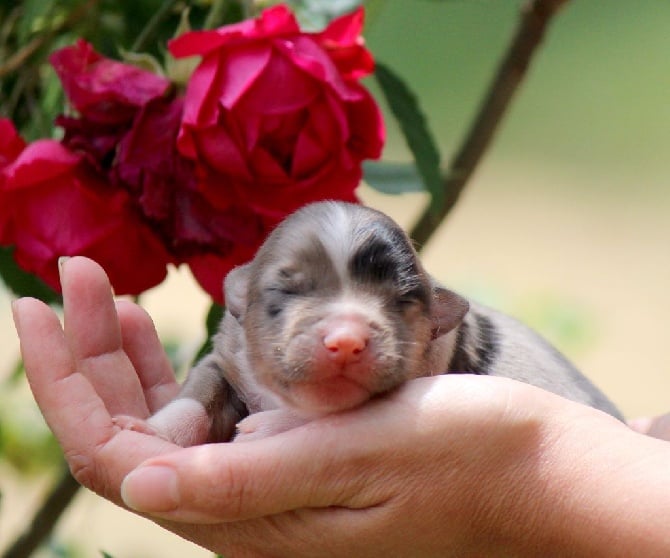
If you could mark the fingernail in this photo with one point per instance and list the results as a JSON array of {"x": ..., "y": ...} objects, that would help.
[
  {"x": 151, "y": 489},
  {"x": 61, "y": 265},
  {"x": 15, "y": 313},
  {"x": 62, "y": 260}
]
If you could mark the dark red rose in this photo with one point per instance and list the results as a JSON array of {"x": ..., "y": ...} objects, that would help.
[
  {"x": 106, "y": 95},
  {"x": 163, "y": 181},
  {"x": 274, "y": 117},
  {"x": 57, "y": 206}
]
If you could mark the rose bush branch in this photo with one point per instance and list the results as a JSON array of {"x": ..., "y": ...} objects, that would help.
[
  {"x": 535, "y": 18},
  {"x": 46, "y": 517},
  {"x": 152, "y": 25}
]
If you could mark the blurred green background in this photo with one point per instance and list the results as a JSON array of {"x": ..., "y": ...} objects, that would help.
[
  {"x": 596, "y": 97},
  {"x": 566, "y": 223}
]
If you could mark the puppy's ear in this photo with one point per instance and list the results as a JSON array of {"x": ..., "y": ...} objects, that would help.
[
  {"x": 235, "y": 290},
  {"x": 448, "y": 310}
]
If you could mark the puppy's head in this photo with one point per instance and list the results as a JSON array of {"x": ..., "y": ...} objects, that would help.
[{"x": 336, "y": 308}]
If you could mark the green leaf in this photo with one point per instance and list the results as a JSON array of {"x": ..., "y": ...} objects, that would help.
[
  {"x": 392, "y": 178},
  {"x": 23, "y": 283},
  {"x": 179, "y": 70},
  {"x": 142, "y": 60},
  {"x": 35, "y": 16},
  {"x": 405, "y": 107},
  {"x": 212, "y": 322}
]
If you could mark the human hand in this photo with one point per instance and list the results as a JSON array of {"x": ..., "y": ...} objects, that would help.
[
  {"x": 460, "y": 465},
  {"x": 657, "y": 427}
]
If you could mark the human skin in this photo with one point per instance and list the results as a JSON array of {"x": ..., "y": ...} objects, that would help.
[{"x": 455, "y": 465}]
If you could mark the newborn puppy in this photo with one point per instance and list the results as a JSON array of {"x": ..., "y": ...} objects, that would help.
[{"x": 335, "y": 309}]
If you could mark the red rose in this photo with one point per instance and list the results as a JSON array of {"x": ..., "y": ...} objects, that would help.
[
  {"x": 274, "y": 117},
  {"x": 57, "y": 207},
  {"x": 11, "y": 145}
]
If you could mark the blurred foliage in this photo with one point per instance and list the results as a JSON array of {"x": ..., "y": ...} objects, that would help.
[
  {"x": 25, "y": 441},
  {"x": 22, "y": 282}
]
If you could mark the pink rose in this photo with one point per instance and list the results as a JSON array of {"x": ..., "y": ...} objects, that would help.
[
  {"x": 56, "y": 206},
  {"x": 274, "y": 117}
]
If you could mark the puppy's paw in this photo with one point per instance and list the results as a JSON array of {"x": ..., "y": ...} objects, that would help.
[
  {"x": 267, "y": 423},
  {"x": 126, "y": 422},
  {"x": 183, "y": 421}
]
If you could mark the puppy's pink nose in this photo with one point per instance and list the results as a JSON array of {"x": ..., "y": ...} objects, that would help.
[{"x": 346, "y": 340}]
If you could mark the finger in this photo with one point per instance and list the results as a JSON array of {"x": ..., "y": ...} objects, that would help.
[
  {"x": 94, "y": 336},
  {"x": 72, "y": 409},
  {"x": 338, "y": 460},
  {"x": 144, "y": 349},
  {"x": 238, "y": 481},
  {"x": 657, "y": 427},
  {"x": 641, "y": 424}
]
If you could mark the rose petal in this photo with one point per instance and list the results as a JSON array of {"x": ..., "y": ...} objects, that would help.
[
  {"x": 102, "y": 89},
  {"x": 343, "y": 41},
  {"x": 210, "y": 269},
  {"x": 273, "y": 21},
  {"x": 199, "y": 105},
  {"x": 310, "y": 152},
  {"x": 241, "y": 67},
  {"x": 219, "y": 151},
  {"x": 280, "y": 88},
  {"x": 11, "y": 143},
  {"x": 368, "y": 132},
  {"x": 68, "y": 216},
  {"x": 267, "y": 170},
  {"x": 40, "y": 161},
  {"x": 307, "y": 54}
]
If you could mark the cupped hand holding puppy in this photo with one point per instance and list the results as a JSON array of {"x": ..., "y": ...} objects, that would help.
[{"x": 452, "y": 465}]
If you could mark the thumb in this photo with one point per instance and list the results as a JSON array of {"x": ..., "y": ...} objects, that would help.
[{"x": 236, "y": 481}]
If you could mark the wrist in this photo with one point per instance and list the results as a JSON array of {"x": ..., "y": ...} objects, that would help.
[{"x": 593, "y": 488}]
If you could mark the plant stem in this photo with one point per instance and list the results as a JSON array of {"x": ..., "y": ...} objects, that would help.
[
  {"x": 216, "y": 14},
  {"x": 151, "y": 27},
  {"x": 535, "y": 17},
  {"x": 20, "y": 58},
  {"x": 46, "y": 517}
]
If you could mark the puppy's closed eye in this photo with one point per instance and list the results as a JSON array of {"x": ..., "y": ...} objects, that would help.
[
  {"x": 415, "y": 296},
  {"x": 287, "y": 285}
]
